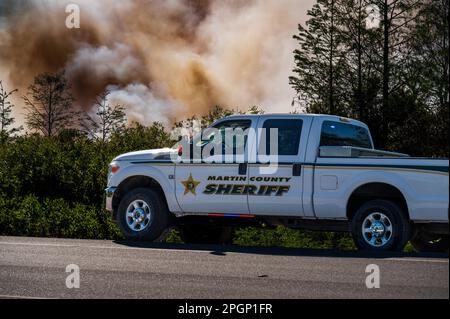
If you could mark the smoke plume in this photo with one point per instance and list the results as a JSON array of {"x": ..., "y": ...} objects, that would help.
[{"x": 162, "y": 59}]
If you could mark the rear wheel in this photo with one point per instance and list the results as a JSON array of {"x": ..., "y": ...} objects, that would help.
[
  {"x": 380, "y": 225},
  {"x": 142, "y": 215},
  {"x": 425, "y": 242}
]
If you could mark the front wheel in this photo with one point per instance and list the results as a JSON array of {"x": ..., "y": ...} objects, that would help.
[
  {"x": 380, "y": 225},
  {"x": 142, "y": 215}
]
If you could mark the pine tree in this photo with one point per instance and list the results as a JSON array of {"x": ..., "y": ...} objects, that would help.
[
  {"x": 319, "y": 60},
  {"x": 107, "y": 120},
  {"x": 428, "y": 69},
  {"x": 396, "y": 18},
  {"x": 361, "y": 63},
  {"x": 50, "y": 104},
  {"x": 6, "y": 120}
]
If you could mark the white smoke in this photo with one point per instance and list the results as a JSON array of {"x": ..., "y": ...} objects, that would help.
[
  {"x": 142, "y": 103},
  {"x": 117, "y": 61}
]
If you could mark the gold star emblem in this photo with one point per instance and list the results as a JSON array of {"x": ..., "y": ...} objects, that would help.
[{"x": 189, "y": 185}]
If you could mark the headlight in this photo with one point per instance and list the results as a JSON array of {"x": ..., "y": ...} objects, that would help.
[{"x": 113, "y": 169}]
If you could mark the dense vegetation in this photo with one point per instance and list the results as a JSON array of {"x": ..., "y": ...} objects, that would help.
[
  {"x": 53, "y": 186},
  {"x": 384, "y": 62},
  {"x": 391, "y": 73}
]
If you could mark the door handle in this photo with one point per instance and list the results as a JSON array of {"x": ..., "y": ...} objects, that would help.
[
  {"x": 296, "y": 169},
  {"x": 243, "y": 169}
]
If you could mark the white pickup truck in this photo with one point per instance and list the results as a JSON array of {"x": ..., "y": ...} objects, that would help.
[{"x": 327, "y": 177}]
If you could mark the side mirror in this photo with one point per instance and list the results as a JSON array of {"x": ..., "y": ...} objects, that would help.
[{"x": 180, "y": 149}]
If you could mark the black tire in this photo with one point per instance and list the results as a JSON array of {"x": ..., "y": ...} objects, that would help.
[
  {"x": 201, "y": 234},
  {"x": 159, "y": 220},
  {"x": 396, "y": 239},
  {"x": 424, "y": 242}
]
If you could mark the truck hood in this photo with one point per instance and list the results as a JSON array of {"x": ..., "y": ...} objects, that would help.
[{"x": 161, "y": 154}]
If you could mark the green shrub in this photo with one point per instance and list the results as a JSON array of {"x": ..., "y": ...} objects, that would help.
[
  {"x": 54, "y": 218},
  {"x": 173, "y": 237}
]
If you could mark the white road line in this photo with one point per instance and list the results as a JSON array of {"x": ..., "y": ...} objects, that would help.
[
  {"x": 22, "y": 297},
  {"x": 443, "y": 261},
  {"x": 101, "y": 247}
]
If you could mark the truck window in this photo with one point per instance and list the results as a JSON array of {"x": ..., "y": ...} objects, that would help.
[
  {"x": 289, "y": 132},
  {"x": 342, "y": 134},
  {"x": 238, "y": 143}
]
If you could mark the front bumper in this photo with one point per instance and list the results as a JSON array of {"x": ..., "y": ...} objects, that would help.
[{"x": 109, "y": 196}]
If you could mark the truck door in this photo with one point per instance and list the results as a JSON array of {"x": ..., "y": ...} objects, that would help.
[
  {"x": 216, "y": 187},
  {"x": 277, "y": 188}
]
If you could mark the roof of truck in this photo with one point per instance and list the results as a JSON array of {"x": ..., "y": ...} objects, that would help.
[
  {"x": 330, "y": 117},
  {"x": 286, "y": 114}
]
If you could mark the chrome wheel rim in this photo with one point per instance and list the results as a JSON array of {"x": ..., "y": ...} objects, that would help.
[
  {"x": 377, "y": 229},
  {"x": 138, "y": 215}
]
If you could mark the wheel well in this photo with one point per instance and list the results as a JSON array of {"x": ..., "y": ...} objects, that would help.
[
  {"x": 136, "y": 182},
  {"x": 373, "y": 191}
]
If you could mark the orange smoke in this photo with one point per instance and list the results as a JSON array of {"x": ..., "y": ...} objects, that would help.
[{"x": 163, "y": 59}]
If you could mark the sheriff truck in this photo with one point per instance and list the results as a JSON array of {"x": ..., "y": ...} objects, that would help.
[{"x": 326, "y": 175}]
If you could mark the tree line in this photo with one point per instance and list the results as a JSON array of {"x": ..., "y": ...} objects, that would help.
[
  {"x": 50, "y": 110},
  {"x": 384, "y": 62}
]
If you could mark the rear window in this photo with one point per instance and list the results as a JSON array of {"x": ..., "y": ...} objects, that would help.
[{"x": 342, "y": 134}]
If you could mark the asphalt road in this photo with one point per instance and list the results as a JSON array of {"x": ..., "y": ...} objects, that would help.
[{"x": 36, "y": 268}]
